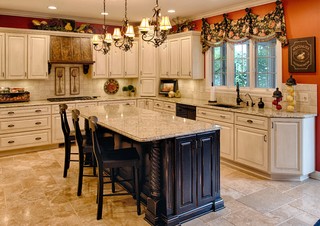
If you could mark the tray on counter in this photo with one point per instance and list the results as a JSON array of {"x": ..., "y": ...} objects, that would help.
[{"x": 14, "y": 97}]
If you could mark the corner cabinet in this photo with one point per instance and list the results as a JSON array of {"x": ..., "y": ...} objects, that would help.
[
  {"x": 292, "y": 147},
  {"x": 185, "y": 58}
]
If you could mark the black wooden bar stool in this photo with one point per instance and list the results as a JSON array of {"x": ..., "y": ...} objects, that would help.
[
  {"x": 68, "y": 139},
  {"x": 106, "y": 159}
]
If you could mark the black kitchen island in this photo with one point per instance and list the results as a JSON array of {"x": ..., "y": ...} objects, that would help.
[{"x": 180, "y": 161}]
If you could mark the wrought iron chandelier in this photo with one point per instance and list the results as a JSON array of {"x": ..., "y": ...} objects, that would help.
[
  {"x": 123, "y": 39},
  {"x": 157, "y": 29},
  {"x": 103, "y": 41}
]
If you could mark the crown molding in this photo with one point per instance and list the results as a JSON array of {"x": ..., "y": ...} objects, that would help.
[
  {"x": 235, "y": 7},
  {"x": 50, "y": 16}
]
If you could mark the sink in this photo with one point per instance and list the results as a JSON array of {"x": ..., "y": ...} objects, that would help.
[{"x": 224, "y": 105}]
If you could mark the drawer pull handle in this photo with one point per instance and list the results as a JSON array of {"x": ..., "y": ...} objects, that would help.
[
  {"x": 38, "y": 123},
  {"x": 38, "y": 110},
  {"x": 10, "y": 141},
  {"x": 127, "y": 103},
  {"x": 38, "y": 138},
  {"x": 10, "y": 112},
  {"x": 169, "y": 106},
  {"x": 11, "y": 125},
  {"x": 222, "y": 116},
  {"x": 203, "y": 113},
  {"x": 265, "y": 138},
  {"x": 249, "y": 121}
]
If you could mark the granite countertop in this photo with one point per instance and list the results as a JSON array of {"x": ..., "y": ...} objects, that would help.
[
  {"x": 144, "y": 125},
  {"x": 266, "y": 112}
]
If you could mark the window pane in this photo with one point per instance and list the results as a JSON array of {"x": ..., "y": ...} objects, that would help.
[
  {"x": 265, "y": 75},
  {"x": 219, "y": 71},
  {"x": 241, "y": 64}
]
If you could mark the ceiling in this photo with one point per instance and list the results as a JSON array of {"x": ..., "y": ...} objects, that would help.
[{"x": 89, "y": 10}]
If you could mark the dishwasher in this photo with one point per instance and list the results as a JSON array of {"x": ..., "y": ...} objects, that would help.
[{"x": 186, "y": 111}]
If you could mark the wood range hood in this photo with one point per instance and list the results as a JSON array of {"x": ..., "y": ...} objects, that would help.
[{"x": 70, "y": 50}]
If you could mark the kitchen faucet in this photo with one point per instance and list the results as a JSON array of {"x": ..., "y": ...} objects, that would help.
[
  {"x": 239, "y": 100},
  {"x": 252, "y": 103}
]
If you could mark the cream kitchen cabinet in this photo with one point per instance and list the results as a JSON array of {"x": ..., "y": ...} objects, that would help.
[
  {"x": 163, "y": 60},
  {"x": 185, "y": 56},
  {"x": 124, "y": 64},
  {"x": 148, "y": 69},
  {"x": 292, "y": 147},
  {"x": 145, "y": 103},
  {"x": 2, "y": 56},
  {"x": 164, "y": 106},
  {"x": 23, "y": 127},
  {"x": 26, "y": 56},
  {"x": 100, "y": 66},
  {"x": 226, "y": 121},
  {"x": 251, "y": 141}
]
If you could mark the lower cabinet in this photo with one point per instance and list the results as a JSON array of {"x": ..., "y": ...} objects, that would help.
[
  {"x": 196, "y": 168},
  {"x": 145, "y": 103}
]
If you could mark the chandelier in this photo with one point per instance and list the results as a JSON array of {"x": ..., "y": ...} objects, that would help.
[
  {"x": 103, "y": 41},
  {"x": 124, "y": 38},
  {"x": 158, "y": 31}
]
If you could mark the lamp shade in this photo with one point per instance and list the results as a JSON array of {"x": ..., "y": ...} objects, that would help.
[
  {"x": 108, "y": 38},
  {"x": 144, "y": 26},
  {"x": 130, "y": 32},
  {"x": 116, "y": 33},
  {"x": 165, "y": 23},
  {"x": 95, "y": 40}
]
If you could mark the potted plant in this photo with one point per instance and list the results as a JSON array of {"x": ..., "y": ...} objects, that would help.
[
  {"x": 125, "y": 90},
  {"x": 132, "y": 90}
]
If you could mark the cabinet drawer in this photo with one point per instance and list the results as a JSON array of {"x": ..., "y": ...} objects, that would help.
[
  {"x": 23, "y": 140},
  {"x": 123, "y": 102},
  {"x": 157, "y": 104},
  {"x": 56, "y": 110},
  {"x": 91, "y": 104},
  {"x": 251, "y": 121},
  {"x": 223, "y": 116},
  {"x": 25, "y": 111},
  {"x": 169, "y": 106},
  {"x": 24, "y": 124}
]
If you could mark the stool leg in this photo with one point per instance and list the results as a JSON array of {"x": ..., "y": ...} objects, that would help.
[
  {"x": 113, "y": 187},
  {"x": 100, "y": 196},
  {"x": 137, "y": 189},
  {"x": 67, "y": 148},
  {"x": 80, "y": 178}
]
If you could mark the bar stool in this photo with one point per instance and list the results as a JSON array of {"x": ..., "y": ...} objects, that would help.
[
  {"x": 124, "y": 157},
  {"x": 68, "y": 139}
]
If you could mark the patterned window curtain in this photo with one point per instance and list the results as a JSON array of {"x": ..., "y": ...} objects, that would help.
[{"x": 250, "y": 26}]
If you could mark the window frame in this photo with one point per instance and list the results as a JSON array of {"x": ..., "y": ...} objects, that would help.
[{"x": 230, "y": 87}]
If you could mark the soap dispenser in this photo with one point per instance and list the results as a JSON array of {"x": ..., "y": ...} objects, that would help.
[{"x": 261, "y": 104}]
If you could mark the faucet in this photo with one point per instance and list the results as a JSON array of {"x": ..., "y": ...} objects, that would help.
[
  {"x": 252, "y": 103},
  {"x": 239, "y": 100}
]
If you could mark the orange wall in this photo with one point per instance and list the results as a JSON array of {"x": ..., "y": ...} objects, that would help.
[{"x": 302, "y": 20}]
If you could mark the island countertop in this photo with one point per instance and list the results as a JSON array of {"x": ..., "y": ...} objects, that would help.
[{"x": 144, "y": 125}]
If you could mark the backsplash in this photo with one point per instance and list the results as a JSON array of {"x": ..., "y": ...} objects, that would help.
[
  {"x": 43, "y": 89},
  {"x": 197, "y": 89}
]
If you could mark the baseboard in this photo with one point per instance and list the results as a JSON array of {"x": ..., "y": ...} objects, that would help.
[
  {"x": 26, "y": 150},
  {"x": 315, "y": 175}
]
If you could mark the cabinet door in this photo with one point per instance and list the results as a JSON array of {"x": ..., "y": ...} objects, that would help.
[
  {"x": 2, "y": 56},
  {"x": 16, "y": 56},
  {"x": 174, "y": 58},
  {"x": 251, "y": 147},
  {"x": 164, "y": 60},
  {"x": 100, "y": 67},
  {"x": 38, "y": 55},
  {"x": 131, "y": 62},
  {"x": 148, "y": 59},
  {"x": 116, "y": 63},
  {"x": 185, "y": 62},
  {"x": 186, "y": 174},
  {"x": 57, "y": 134},
  {"x": 141, "y": 103},
  {"x": 285, "y": 152},
  {"x": 147, "y": 86}
]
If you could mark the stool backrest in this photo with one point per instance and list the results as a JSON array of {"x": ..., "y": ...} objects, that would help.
[
  {"x": 95, "y": 142},
  {"x": 75, "y": 120},
  {"x": 64, "y": 120}
]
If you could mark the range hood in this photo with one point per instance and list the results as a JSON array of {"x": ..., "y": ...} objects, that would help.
[{"x": 71, "y": 50}]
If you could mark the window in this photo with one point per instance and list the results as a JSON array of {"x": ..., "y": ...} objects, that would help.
[{"x": 253, "y": 64}]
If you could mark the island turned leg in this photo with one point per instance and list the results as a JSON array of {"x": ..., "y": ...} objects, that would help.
[{"x": 153, "y": 202}]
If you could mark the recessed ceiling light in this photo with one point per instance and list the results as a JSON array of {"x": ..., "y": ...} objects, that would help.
[
  {"x": 52, "y": 7},
  {"x": 171, "y": 11},
  {"x": 104, "y": 13}
]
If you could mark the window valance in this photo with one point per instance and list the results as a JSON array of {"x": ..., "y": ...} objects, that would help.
[{"x": 251, "y": 26}]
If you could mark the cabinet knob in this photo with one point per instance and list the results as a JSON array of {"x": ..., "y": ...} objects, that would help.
[
  {"x": 249, "y": 121},
  {"x": 2, "y": 74},
  {"x": 189, "y": 73},
  {"x": 265, "y": 138},
  {"x": 11, "y": 125}
]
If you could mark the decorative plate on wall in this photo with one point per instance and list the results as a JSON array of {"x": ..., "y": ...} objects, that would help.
[{"x": 111, "y": 86}]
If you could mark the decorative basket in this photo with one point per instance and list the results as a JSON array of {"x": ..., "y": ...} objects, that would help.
[{"x": 14, "y": 97}]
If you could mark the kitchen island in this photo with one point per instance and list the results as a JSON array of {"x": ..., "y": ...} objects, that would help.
[{"x": 180, "y": 161}]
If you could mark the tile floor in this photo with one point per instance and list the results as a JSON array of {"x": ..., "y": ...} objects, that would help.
[{"x": 33, "y": 192}]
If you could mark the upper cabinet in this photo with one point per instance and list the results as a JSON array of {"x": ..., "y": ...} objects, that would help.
[
  {"x": 2, "y": 56},
  {"x": 164, "y": 60},
  {"x": 26, "y": 56},
  {"x": 38, "y": 54},
  {"x": 148, "y": 60},
  {"x": 100, "y": 66},
  {"x": 16, "y": 56},
  {"x": 184, "y": 55}
]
